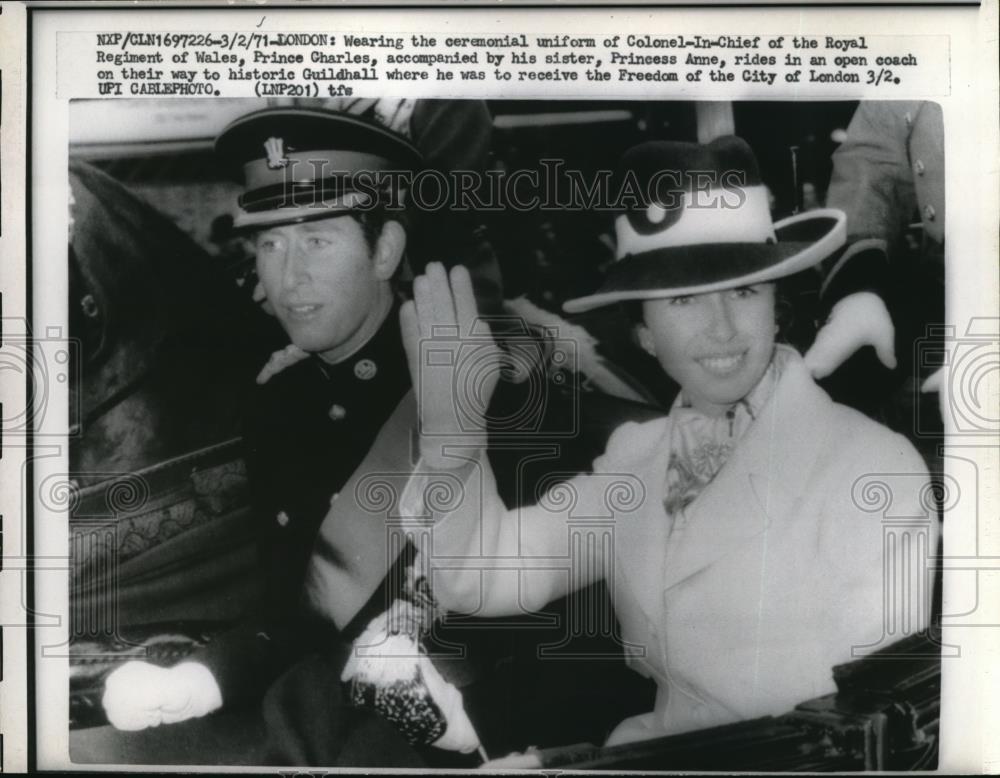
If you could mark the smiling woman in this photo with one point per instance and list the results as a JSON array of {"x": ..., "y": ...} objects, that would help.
[
  {"x": 743, "y": 565},
  {"x": 715, "y": 345}
]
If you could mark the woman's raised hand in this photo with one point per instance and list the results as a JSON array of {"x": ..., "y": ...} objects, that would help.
[{"x": 454, "y": 364}]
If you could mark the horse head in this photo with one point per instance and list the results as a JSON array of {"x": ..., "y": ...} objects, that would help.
[{"x": 168, "y": 344}]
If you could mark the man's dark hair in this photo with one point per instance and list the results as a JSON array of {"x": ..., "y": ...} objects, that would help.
[{"x": 374, "y": 219}]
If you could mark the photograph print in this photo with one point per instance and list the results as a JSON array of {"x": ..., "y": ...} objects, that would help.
[{"x": 570, "y": 434}]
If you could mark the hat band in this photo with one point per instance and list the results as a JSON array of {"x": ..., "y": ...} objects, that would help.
[
  {"x": 738, "y": 215},
  {"x": 695, "y": 266},
  {"x": 295, "y": 193},
  {"x": 350, "y": 202},
  {"x": 307, "y": 166}
]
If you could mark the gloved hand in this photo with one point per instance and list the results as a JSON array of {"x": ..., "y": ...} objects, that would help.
[
  {"x": 459, "y": 734},
  {"x": 280, "y": 360},
  {"x": 139, "y": 695},
  {"x": 860, "y": 319},
  {"x": 390, "y": 673},
  {"x": 937, "y": 382}
]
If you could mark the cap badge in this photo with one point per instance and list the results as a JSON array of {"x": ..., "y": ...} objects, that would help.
[{"x": 275, "y": 148}]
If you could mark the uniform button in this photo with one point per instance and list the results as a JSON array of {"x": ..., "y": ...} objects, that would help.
[
  {"x": 365, "y": 369},
  {"x": 334, "y": 497},
  {"x": 918, "y": 167},
  {"x": 337, "y": 412},
  {"x": 89, "y": 306},
  {"x": 929, "y": 213},
  {"x": 282, "y": 519}
]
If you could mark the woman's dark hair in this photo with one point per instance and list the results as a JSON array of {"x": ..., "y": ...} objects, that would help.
[
  {"x": 793, "y": 297},
  {"x": 633, "y": 312},
  {"x": 796, "y": 303}
]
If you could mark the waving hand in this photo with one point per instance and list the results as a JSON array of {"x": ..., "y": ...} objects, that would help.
[{"x": 454, "y": 363}]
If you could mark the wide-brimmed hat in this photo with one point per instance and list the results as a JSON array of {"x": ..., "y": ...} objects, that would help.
[
  {"x": 696, "y": 218},
  {"x": 301, "y": 163}
]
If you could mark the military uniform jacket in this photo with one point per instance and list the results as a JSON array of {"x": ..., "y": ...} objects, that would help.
[
  {"x": 308, "y": 429},
  {"x": 888, "y": 171},
  {"x": 324, "y": 442}
]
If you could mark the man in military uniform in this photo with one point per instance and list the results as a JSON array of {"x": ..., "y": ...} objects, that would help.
[
  {"x": 328, "y": 258},
  {"x": 888, "y": 171},
  {"x": 887, "y": 286},
  {"x": 331, "y": 409}
]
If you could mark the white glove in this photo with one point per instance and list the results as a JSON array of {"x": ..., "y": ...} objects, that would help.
[
  {"x": 516, "y": 760},
  {"x": 280, "y": 360},
  {"x": 459, "y": 734},
  {"x": 382, "y": 660},
  {"x": 937, "y": 382},
  {"x": 139, "y": 695},
  {"x": 860, "y": 319},
  {"x": 454, "y": 396}
]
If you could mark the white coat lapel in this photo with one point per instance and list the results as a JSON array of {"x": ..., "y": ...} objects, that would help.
[
  {"x": 641, "y": 536},
  {"x": 760, "y": 484}
]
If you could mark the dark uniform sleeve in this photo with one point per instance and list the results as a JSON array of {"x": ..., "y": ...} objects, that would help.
[
  {"x": 246, "y": 658},
  {"x": 873, "y": 184}
]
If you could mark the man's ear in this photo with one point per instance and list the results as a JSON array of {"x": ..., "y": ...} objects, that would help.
[
  {"x": 645, "y": 339},
  {"x": 389, "y": 250}
]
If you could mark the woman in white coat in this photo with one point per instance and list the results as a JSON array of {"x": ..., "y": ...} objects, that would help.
[{"x": 753, "y": 538}]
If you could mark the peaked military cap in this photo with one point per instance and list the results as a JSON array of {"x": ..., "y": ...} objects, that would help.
[{"x": 302, "y": 163}]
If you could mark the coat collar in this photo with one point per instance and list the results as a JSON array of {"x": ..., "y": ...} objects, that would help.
[{"x": 754, "y": 491}]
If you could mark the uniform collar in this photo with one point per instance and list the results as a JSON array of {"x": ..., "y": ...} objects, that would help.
[{"x": 365, "y": 364}]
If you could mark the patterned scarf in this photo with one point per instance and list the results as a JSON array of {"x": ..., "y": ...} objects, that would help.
[{"x": 700, "y": 445}]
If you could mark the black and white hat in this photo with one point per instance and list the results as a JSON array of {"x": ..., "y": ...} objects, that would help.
[{"x": 697, "y": 220}]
